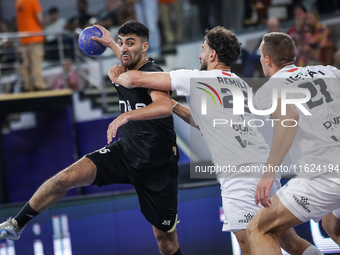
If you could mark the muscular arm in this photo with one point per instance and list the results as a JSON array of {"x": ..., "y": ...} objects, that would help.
[
  {"x": 282, "y": 141},
  {"x": 160, "y": 107},
  {"x": 183, "y": 112},
  {"x": 153, "y": 80}
]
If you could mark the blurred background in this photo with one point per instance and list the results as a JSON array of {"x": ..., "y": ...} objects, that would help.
[{"x": 48, "y": 126}]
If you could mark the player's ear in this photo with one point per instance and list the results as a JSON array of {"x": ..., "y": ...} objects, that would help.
[
  {"x": 269, "y": 60},
  {"x": 145, "y": 47},
  {"x": 213, "y": 55}
]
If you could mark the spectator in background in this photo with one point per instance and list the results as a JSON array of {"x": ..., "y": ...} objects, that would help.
[
  {"x": 252, "y": 60},
  {"x": 209, "y": 13},
  {"x": 54, "y": 24},
  {"x": 29, "y": 18},
  {"x": 7, "y": 50},
  {"x": 297, "y": 31},
  {"x": 82, "y": 19},
  {"x": 69, "y": 75},
  {"x": 260, "y": 7},
  {"x": 172, "y": 33},
  {"x": 147, "y": 13},
  {"x": 109, "y": 16},
  {"x": 316, "y": 47},
  {"x": 337, "y": 59},
  {"x": 127, "y": 11}
]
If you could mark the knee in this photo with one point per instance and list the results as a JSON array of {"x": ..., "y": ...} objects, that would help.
[
  {"x": 252, "y": 228},
  {"x": 326, "y": 225},
  {"x": 242, "y": 239},
  {"x": 167, "y": 246},
  {"x": 61, "y": 181}
]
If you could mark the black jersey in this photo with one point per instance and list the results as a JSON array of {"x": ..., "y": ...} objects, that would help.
[{"x": 146, "y": 143}]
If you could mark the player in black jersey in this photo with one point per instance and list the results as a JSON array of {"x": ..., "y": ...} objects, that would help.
[{"x": 146, "y": 154}]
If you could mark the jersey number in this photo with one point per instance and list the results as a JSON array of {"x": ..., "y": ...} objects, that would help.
[
  {"x": 311, "y": 86},
  {"x": 228, "y": 100}
]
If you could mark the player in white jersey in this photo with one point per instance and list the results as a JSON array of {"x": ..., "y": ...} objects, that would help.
[
  {"x": 312, "y": 138},
  {"x": 238, "y": 145}
]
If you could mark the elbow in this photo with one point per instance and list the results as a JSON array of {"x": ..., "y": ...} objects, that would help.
[
  {"x": 167, "y": 111},
  {"x": 125, "y": 80},
  {"x": 295, "y": 116},
  {"x": 291, "y": 119}
]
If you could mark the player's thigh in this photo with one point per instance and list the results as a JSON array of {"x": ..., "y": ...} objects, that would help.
[
  {"x": 310, "y": 198},
  {"x": 112, "y": 165},
  {"x": 275, "y": 219},
  {"x": 157, "y": 190},
  {"x": 331, "y": 223},
  {"x": 81, "y": 173},
  {"x": 162, "y": 236},
  {"x": 238, "y": 202}
]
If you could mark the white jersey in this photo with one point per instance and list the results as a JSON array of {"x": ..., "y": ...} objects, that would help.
[
  {"x": 316, "y": 147},
  {"x": 231, "y": 141}
]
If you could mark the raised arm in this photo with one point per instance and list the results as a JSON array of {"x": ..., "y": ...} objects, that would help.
[
  {"x": 282, "y": 141},
  {"x": 160, "y": 107},
  {"x": 106, "y": 40}
]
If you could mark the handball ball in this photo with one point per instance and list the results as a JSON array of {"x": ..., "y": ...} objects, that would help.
[{"x": 87, "y": 45}]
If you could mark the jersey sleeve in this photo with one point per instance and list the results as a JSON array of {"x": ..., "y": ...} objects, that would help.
[{"x": 180, "y": 81}]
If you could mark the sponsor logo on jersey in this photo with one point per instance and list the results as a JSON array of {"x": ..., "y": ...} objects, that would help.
[
  {"x": 247, "y": 219},
  {"x": 336, "y": 139},
  {"x": 166, "y": 222},
  {"x": 303, "y": 202},
  {"x": 332, "y": 123},
  {"x": 213, "y": 90},
  {"x": 244, "y": 143}
]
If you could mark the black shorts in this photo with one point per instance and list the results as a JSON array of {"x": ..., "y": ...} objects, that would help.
[{"x": 157, "y": 188}]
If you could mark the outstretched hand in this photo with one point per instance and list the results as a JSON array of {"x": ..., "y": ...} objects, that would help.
[
  {"x": 106, "y": 39},
  {"x": 262, "y": 193},
  {"x": 114, "y": 125},
  {"x": 115, "y": 71}
]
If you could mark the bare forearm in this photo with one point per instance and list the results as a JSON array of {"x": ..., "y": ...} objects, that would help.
[
  {"x": 283, "y": 136},
  {"x": 159, "y": 108},
  {"x": 282, "y": 141},
  {"x": 156, "y": 110},
  {"x": 114, "y": 47},
  {"x": 151, "y": 80},
  {"x": 183, "y": 112}
]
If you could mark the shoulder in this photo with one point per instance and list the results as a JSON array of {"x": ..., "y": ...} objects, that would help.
[
  {"x": 36, "y": 4},
  {"x": 151, "y": 66}
]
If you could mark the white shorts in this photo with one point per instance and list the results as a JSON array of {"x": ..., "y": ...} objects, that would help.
[
  {"x": 310, "y": 198},
  {"x": 238, "y": 198}
]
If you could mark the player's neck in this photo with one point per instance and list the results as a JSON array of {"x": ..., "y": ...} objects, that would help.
[
  {"x": 140, "y": 63},
  {"x": 218, "y": 66}
]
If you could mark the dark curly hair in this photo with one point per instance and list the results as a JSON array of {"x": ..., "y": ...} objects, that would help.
[
  {"x": 135, "y": 27},
  {"x": 225, "y": 43}
]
